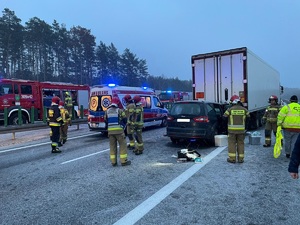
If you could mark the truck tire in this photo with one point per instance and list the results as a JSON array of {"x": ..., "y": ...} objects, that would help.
[{"x": 14, "y": 120}]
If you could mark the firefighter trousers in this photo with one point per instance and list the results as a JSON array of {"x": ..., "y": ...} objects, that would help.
[
  {"x": 236, "y": 146},
  {"x": 130, "y": 133},
  {"x": 55, "y": 130},
  {"x": 64, "y": 133},
  {"x": 139, "y": 138},
  {"x": 114, "y": 139},
  {"x": 268, "y": 132}
]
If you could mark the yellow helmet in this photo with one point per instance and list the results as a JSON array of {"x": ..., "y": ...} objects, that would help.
[{"x": 67, "y": 93}]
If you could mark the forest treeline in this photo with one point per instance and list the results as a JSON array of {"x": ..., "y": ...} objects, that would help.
[{"x": 44, "y": 52}]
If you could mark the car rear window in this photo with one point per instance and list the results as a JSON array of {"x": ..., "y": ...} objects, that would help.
[{"x": 187, "y": 109}]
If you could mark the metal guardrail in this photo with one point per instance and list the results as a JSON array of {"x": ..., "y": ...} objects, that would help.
[{"x": 36, "y": 126}]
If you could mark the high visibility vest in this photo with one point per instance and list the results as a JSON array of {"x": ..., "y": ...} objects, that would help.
[
  {"x": 113, "y": 120},
  {"x": 289, "y": 116},
  {"x": 236, "y": 119}
]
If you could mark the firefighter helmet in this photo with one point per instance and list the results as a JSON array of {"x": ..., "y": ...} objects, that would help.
[
  {"x": 55, "y": 100},
  {"x": 127, "y": 98},
  {"x": 115, "y": 102},
  {"x": 294, "y": 98},
  {"x": 61, "y": 103},
  {"x": 273, "y": 97},
  {"x": 137, "y": 99},
  {"x": 235, "y": 99},
  {"x": 67, "y": 93}
]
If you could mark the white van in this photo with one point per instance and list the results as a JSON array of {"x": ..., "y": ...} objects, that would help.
[{"x": 100, "y": 98}]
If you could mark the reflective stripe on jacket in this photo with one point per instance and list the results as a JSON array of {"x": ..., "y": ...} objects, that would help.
[{"x": 236, "y": 118}]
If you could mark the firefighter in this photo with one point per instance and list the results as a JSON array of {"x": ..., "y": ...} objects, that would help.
[
  {"x": 237, "y": 118},
  {"x": 289, "y": 120},
  {"x": 64, "y": 127},
  {"x": 55, "y": 120},
  {"x": 139, "y": 124},
  {"x": 113, "y": 117},
  {"x": 270, "y": 119},
  {"x": 130, "y": 114},
  {"x": 69, "y": 105}
]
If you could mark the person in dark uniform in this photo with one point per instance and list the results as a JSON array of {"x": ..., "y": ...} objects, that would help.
[{"x": 55, "y": 120}]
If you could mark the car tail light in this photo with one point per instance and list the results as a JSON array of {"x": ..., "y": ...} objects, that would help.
[
  {"x": 170, "y": 118},
  {"x": 201, "y": 119}
]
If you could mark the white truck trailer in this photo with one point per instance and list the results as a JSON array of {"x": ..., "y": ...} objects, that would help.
[{"x": 219, "y": 75}]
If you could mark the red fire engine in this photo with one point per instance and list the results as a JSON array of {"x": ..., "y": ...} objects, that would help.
[
  {"x": 173, "y": 96},
  {"x": 15, "y": 93}
]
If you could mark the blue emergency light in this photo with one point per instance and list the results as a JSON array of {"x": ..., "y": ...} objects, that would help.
[{"x": 111, "y": 85}]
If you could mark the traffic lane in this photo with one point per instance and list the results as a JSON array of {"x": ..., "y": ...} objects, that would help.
[
  {"x": 259, "y": 191},
  {"x": 90, "y": 190},
  {"x": 75, "y": 189},
  {"x": 37, "y": 136},
  {"x": 33, "y": 151}
]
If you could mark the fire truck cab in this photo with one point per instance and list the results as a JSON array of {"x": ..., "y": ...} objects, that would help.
[
  {"x": 173, "y": 96},
  {"x": 34, "y": 96},
  {"x": 100, "y": 98}
]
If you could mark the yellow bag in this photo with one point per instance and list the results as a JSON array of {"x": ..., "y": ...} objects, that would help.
[{"x": 278, "y": 145}]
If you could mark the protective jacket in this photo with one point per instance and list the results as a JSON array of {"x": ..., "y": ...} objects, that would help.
[
  {"x": 54, "y": 116},
  {"x": 65, "y": 115},
  {"x": 139, "y": 115},
  {"x": 68, "y": 101},
  {"x": 236, "y": 119},
  {"x": 271, "y": 113},
  {"x": 130, "y": 111},
  {"x": 289, "y": 117}
]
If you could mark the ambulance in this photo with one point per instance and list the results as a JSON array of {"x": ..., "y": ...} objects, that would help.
[{"x": 155, "y": 114}]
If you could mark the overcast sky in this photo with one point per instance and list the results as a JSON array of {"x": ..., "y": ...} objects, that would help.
[{"x": 166, "y": 33}]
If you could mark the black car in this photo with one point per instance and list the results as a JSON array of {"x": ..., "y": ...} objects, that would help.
[{"x": 194, "y": 120}]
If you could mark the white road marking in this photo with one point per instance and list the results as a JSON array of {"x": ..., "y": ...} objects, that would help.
[
  {"x": 141, "y": 210},
  {"x": 44, "y": 143},
  {"x": 82, "y": 157}
]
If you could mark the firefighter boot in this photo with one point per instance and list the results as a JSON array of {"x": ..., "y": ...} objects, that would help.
[
  {"x": 55, "y": 149},
  {"x": 59, "y": 144},
  {"x": 64, "y": 141},
  {"x": 230, "y": 160},
  {"x": 127, "y": 163},
  {"x": 129, "y": 147}
]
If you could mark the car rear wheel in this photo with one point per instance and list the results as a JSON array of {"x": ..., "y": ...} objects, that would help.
[{"x": 174, "y": 140}]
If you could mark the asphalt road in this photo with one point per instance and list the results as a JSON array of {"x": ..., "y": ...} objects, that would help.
[{"x": 79, "y": 186}]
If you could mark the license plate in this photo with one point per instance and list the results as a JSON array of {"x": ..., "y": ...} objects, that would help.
[
  {"x": 183, "y": 120},
  {"x": 102, "y": 125}
]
